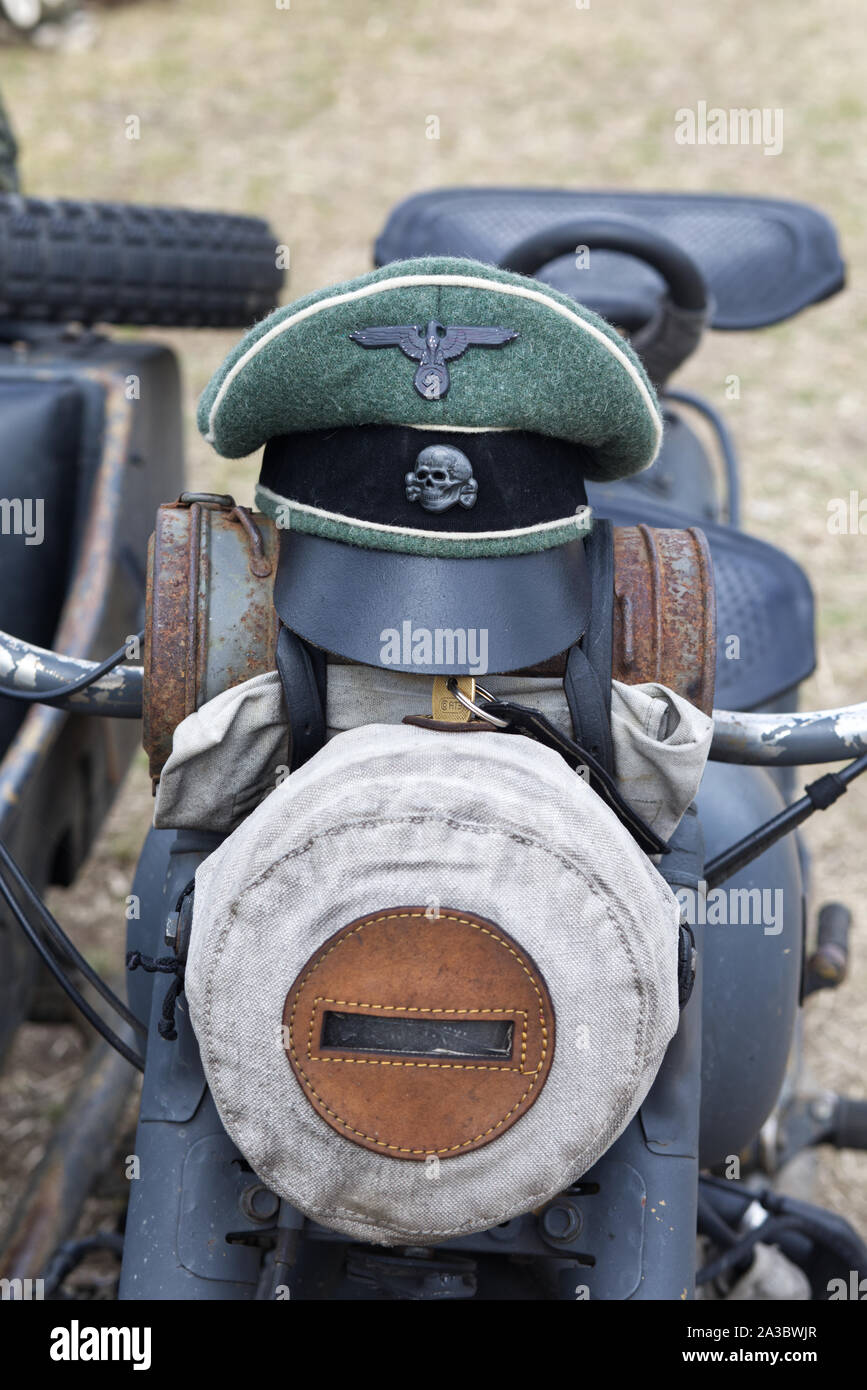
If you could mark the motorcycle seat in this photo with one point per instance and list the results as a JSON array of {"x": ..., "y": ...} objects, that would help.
[{"x": 763, "y": 259}]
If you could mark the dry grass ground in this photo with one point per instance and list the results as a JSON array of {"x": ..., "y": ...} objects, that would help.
[{"x": 315, "y": 117}]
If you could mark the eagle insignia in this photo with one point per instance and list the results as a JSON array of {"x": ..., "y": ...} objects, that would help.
[{"x": 432, "y": 347}]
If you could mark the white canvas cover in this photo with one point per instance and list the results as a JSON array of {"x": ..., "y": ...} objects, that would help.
[
  {"x": 387, "y": 814},
  {"x": 228, "y": 755}
]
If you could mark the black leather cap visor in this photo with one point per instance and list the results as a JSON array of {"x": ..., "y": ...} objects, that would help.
[{"x": 429, "y": 614}]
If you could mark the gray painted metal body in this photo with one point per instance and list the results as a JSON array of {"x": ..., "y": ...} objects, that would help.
[
  {"x": 752, "y": 968},
  {"x": 188, "y": 1194}
]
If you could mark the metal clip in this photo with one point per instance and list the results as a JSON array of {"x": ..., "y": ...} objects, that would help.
[
  {"x": 260, "y": 565},
  {"x": 469, "y": 704}
]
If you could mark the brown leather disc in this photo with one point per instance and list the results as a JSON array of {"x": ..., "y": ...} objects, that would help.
[{"x": 415, "y": 1034}]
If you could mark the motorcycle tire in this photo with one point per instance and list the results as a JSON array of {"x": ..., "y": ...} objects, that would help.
[{"x": 91, "y": 262}]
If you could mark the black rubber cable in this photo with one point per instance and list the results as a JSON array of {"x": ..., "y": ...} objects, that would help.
[
  {"x": 766, "y": 1234},
  {"x": 62, "y": 692},
  {"x": 786, "y": 1214},
  {"x": 731, "y": 1187},
  {"x": 65, "y": 984},
  {"x": 65, "y": 946},
  {"x": 818, "y": 796},
  {"x": 710, "y": 1223},
  {"x": 69, "y": 1255}
]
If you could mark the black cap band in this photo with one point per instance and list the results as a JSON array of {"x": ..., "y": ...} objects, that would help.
[{"x": 471, "y": 484}]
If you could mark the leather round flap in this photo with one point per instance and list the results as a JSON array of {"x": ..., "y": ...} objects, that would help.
[{"x": 416, "y": 1032}]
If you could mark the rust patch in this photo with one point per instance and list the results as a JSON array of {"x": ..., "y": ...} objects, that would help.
[
  {"x": 166, "y": 645},
  {"x": 210, "y": 621},
  {"x": 665, "y": 611}
]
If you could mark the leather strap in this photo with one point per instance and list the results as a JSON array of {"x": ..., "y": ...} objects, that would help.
[
  {"x": 598, "y": 639},
  {"x": 587, "y": 678},
  {"x": 302, "y": 671},
  {"x": 589, "y": 706},
  {"x": 522, "y": 720}
]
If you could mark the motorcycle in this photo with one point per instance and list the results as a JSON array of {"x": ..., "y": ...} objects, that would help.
[{"x": 683, "y": 598}]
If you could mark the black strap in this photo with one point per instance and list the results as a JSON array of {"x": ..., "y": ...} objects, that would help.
[
  {"x": 587, "y": 678},
  {"x": 589, "y": 707},
  {"x": 598, "y": 639},
  {"x": 302, "y": 671},
  {"x": 521, "y": 720}
]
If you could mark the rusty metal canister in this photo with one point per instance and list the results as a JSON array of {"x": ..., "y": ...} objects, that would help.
[
  {"x": 665, "y": 610},
  {"x": 211, "y": 623}
]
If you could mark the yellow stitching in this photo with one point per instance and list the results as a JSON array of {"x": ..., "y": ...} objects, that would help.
[
  {"x": 442, "y": 1066},
  {"x": 448, "y": 917},
  {"x": 410, "y": 1008},
  {"x": 414, "y": 1009},
  {"x": 396, "y": 1148}
]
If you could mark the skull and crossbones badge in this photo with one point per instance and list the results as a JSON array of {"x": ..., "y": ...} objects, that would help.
[{"x": 442, "y": 478}]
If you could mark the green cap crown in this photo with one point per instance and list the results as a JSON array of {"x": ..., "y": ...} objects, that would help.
[{"x": 557, "y": 369}]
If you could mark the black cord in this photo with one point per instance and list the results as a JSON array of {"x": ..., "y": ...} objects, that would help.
[
  {"x": 818, "y": 796},
  {"x": 162, "y": 965},
  {"x": 65, "y": 984},
  {"x": 61, "y": 692},
  {"x": 833, "y": 1233},
  {"x": 731, "y": 1187},
  {"x": 65, "y": 947},
  {"x": 711, "y": 1224},
  {"x": 520, "y": 719},
  {"x": 69, "y": 1255},
  {"x": 767, "y": 1233}
]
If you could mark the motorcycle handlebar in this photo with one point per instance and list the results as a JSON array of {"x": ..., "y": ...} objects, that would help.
[
  {"x": 790, "y": 740},
  {"x": 774, "y": 740},
  {"x": 29, "y": 672}
]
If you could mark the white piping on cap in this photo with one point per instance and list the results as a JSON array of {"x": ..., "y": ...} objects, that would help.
[
  {"x": 278, "y": 500},
  {"x": 399, "y": 282}
]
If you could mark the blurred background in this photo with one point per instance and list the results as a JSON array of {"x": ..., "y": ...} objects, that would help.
[{"x": 316, "y": 115}]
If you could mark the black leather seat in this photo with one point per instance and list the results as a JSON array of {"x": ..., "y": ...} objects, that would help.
[{"x": 764, "y": 259}]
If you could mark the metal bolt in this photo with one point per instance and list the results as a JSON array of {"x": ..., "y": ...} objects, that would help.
[
  {"x": 259, "y": 1202},
  {"x": 561, "y": 1223}
]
